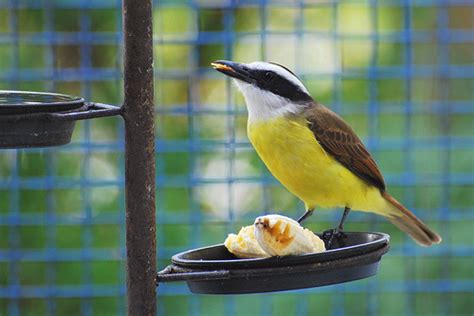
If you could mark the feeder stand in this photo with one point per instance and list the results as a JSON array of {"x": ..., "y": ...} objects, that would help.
[
  {"x": 35, "y": 119},
  {"x": 138, "y": 114}
]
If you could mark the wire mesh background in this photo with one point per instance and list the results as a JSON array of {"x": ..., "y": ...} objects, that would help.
[{"x": 400, "y": 72}]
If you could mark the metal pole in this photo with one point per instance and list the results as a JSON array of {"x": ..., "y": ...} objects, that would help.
[{"x": 138, "y": 114}]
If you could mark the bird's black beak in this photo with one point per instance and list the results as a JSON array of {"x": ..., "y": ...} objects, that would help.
[{"x": 234, "y": 70}]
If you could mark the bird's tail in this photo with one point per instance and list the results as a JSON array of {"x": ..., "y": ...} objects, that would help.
[{"x": 410, "y": 224}]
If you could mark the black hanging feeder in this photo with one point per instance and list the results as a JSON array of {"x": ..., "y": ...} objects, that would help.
[
  {"x": 36, "y": 119},
  {"x": 214, "y": 270}
]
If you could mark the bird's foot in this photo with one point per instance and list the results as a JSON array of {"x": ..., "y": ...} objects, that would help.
[
  {"x": 331, "y": 237},
  {"x": 306, "y": 214}
]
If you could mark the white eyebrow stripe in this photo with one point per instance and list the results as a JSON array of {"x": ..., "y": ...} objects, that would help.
[{"x": 261, "y": 65}]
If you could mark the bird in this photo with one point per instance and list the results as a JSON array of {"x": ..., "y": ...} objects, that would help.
[{"x": 312, "y": 151}]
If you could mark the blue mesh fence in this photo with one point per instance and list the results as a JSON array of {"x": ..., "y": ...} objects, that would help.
[{"x": 400, "y": 72}]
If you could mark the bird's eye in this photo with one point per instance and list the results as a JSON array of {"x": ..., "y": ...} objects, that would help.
[{"x": 269, "y": 75}]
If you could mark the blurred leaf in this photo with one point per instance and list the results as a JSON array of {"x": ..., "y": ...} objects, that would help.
[
  {"x": 390, "y": 18},
  {"x": 104, "y": 20},
  {"x": 176, "y": 235},
  {"x": 6, "y": 165},
  {"x": 172, "y": 127},
  {"x": 106, "y": 91},
  {"x": 105, "y": 306},
  {"x": 69, "y": 273},
  {"x": 391, "y": 89},
  {"x": 176, "y": 163},
  {"x": 461, "y": 303},
  {"x": 390, "y": 161},
  {"x": 106, "y": 272},
  {"x": 285, "y": 305},
  {"x": 211, "y": 20},
  {"x": 247, "y": 19},
  {"x": 32, "y": 304},
  {"x": 461, "y": 124},
  {"x": 318, "y": 18},
  {"x": 104, "y": 56},
  {"x": 68, "y": 164},
  {"x": 425, "y": 126},
  {"x": 69, "y": 236},
  {"x": 460, "y": 17},
  {"x": 424, "y": 90},
  {"x": 461, "y": 196},
  {"x": 354, "y": 18},
  {"x": 174, "y": 22},
  {"x": 6, "y": 60},
  {"x": 68, "y": 201},
  {"x": 32, "y": 273},
  {"x": 106, "y": 236},
  {"x": 31, "y": 56},
  {"x": 357, "y": 303},
  {"x": 105, "y": 199},
  {"x": 174, "y": 199},
  {"x": 460, "y": 89},
  {"x": 355, "y": 90},
  {"x": 4, "y": 242},
  {"x": 4, "y": 21},
  {"x": 68, "y": 306},
  {"x": 461, "y": 53},
  {"x": 209, "y": 53},
  {"x": 390, "y": 54},
  {"x": 321, "y": 304},
  {"x": 282, "y": 19},
  {"x": 30, "y": 20},
  {"x": 461, "y": 160},
  {"x": 460, "y": 268},
  {"x": 424, "y": 17},
  {"x": 212, "y": 305},
  {"x": 175, "y": 305},
  {"x": 32, "y": 237},
  {"x": 425, "y": 53},
  {"x": 67, "y": 56},
  {"x": 391, "y": 301},
  {"x": 421, "y": 306},
  {"x": 33, "y": 200},
  {"x": 172, "y": 92},
  {"x": 66, "y": 20},
  {"x": 174, "y": 56},
  {"x": 359, "y": 123},
  {"x": 428, "y": 197},
  {"x": 69, "y": 87}
]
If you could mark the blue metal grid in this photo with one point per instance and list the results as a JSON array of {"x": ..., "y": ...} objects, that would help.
[{"x": 193, "y": 126}]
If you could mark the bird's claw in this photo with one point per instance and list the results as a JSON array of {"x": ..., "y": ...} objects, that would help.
[{"x": 331, "y": 235}]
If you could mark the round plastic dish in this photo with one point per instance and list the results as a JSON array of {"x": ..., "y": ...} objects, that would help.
[
  {"x": 213, "y": 270},
  {"x": 37, "y": 119}
]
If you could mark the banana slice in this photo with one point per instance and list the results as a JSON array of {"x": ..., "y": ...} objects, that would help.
[
  {"x": 282, "y": 236},
  {"x": 244, "y": 245}
]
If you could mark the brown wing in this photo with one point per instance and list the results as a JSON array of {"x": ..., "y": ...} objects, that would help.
[{"x": 339, "y": 140}]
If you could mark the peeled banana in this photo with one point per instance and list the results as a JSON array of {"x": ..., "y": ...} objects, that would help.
[
  {"x": 282, "y": 236},
  {"x": 244, "y": 245},
  {"x": 273, "y": 235}
]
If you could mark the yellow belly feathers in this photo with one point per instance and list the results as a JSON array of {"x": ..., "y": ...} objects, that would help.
[{"x": 297, "y": 160}]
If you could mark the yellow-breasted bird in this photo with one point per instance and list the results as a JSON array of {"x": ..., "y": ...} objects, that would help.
[{"x": 312, "y": 151}]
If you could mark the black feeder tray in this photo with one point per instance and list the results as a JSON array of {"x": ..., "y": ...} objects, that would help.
[
  {"x": 36, "y": 119},
  {"x": 214, "y": 270}
]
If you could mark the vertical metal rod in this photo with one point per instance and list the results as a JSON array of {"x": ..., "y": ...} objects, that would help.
[{"x": 138, "y": 114}]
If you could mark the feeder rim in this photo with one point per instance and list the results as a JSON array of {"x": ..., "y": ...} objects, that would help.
[{"x": 72, "y": 98}]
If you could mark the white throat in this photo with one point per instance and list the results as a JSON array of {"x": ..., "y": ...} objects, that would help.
[{"x": 263, "y": 105}]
